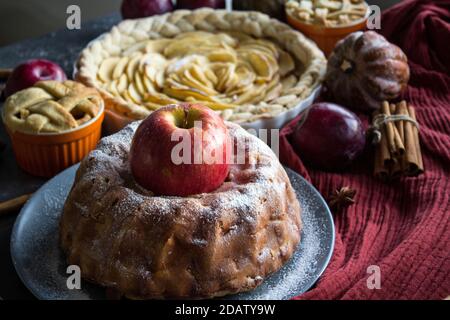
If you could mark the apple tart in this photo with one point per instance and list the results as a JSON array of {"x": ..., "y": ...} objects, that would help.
[
  {"x": 328, "y": 13},
  {"x": 53, "y": 125},
  {"x": 244, "y": 65},
  {"x": 51, "y": 107}
]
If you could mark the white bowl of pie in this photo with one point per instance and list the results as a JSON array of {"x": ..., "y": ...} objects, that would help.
[{"x": 251, "y": 69}]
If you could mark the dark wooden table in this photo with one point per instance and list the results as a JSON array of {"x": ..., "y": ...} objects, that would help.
[{"x": 62, "y": 47}]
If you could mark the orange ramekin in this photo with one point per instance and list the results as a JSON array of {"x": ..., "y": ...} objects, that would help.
[
  {"x": 46, "y": 154},
  {"x": 325, "y": 37}
]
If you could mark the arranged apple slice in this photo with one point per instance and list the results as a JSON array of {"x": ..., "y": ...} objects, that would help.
[
  {"x": 119, "y": 69},
  {"x": 105, "y": 72}
]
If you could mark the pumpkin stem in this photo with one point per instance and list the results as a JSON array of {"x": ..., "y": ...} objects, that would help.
[{"x": 347, "y": 66}]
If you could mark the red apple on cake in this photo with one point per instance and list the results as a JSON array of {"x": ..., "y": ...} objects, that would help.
[{"x": 180, "y": 150}]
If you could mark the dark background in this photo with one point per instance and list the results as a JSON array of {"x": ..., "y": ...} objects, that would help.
[{"x": 21, "y": 19}]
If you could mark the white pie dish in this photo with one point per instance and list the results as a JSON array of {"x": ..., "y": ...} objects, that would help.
[{"x": 301, "y": 96}]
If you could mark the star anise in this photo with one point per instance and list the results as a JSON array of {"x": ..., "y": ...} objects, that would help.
[{"x": 342, "y": 198}]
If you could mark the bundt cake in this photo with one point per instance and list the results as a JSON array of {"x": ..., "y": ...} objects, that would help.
[{"x": 207, "y": 245}]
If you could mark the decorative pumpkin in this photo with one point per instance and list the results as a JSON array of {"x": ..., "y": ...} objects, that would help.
[
  {"x": 365, "y": 69},
  {"x": 274, "y": 8}
]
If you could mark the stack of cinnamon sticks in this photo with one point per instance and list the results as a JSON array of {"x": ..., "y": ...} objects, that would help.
[{"x": 398, "y": 151}]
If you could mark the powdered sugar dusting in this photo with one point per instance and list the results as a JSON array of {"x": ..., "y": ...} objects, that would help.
[
  {"x": 310, "y": 258},
  {"x": 54, "y": 199}
]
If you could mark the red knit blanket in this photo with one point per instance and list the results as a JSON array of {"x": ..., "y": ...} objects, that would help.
[{"x": 401, "y": 227}]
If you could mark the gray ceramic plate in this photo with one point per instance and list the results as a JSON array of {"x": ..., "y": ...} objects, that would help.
[{"x": 42, "y": 268}]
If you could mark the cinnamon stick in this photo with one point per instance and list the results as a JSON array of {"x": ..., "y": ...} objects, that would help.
[
  {"x": 395, "y": 143},
  {"x": 398, "y": 152},
  {"x": 5, "y": 73},
  {"x": 13, "y": 204},
  {"x": 381, "y": 171},
  {"x": 397, "y": 167},
  {"x": 414, "y": 162},
  {"x": 389, "y": 129},
  {"x": 399, "y": 124},
  {"x": 412, "y": 114},
  {"x": 383, "y": 160}
]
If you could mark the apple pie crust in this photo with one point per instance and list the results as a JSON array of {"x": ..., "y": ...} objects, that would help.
[
  {"x": 244, "y": 65},
  {"x": 51, "y": 107},
  {"x": 328, "y": 13}
]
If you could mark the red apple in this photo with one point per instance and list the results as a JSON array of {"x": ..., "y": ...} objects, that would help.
[
  {"x": 180, "y": 150},
  {"x": 194, "y": 4},
  {"x": 132, "y": 9},
  {"x": 27, "y": 74},
  {"x": 330, "y": 137}
]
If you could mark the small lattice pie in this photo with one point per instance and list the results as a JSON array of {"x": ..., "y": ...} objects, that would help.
[
  {"x": 244, "y": 65},
  {"x": 328, "y": 13},
  {"x": 51, "y": 106}
]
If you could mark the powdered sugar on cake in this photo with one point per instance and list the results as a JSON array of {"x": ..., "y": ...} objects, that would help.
[{"x": 203, "y": 245}]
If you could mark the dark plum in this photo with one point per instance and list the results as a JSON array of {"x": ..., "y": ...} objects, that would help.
[{"x": 330, "y": 137}]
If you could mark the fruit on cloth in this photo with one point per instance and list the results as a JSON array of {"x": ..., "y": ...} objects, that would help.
[{"x": 330, "y": 137}]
